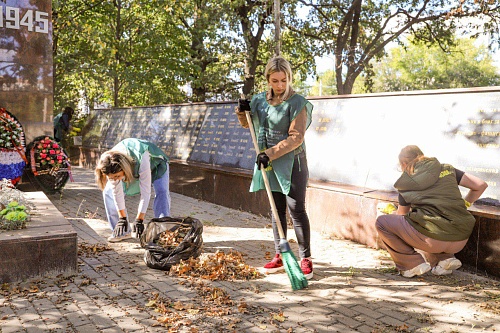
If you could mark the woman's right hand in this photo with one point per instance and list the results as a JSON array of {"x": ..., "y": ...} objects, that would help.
[
  {"x": 243, "y": 105},
  {"x": 121, "y": 227}
]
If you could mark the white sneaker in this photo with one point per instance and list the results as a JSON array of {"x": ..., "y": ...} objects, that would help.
[
  {"x": 447, "y": 266},
  {"x": 113, "y": 239},
  {"x": 418, "y": 270}
]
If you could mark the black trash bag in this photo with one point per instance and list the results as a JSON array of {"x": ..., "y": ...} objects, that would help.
[{"x": 158, "y": 257}]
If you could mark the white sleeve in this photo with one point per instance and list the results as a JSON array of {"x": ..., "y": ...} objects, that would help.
[
  {"x": 145, "y": 182},
  {"x": 118, "y": 194}
]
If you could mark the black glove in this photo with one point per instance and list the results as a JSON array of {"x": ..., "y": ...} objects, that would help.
[
  {"x": 138, "y": 228},
  {"x": 243, "y": 105},
  {"x": 121, "y": 227},
  {"x": 262, "y": 159}
]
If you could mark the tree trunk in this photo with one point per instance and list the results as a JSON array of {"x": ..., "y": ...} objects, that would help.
[
  {"x": 118, "y": 34},
  {"x": 346, "y": 64},
  {"x": 252, "y": 42}
]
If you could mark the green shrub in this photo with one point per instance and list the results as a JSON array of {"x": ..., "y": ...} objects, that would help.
[{"x": 14, "y": 208}]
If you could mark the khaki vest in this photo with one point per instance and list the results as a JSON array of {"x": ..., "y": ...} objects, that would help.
[{"x": 437, "y": 207}]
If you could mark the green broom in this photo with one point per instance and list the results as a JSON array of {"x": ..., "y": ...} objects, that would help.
[{"x": 292, "y": 268}]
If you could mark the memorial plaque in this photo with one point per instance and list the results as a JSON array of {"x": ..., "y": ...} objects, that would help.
[
  {"x": 205, "y": 147},
  {"x": 119, "y": 127},
  {"x": 94, "y": 131},
  {"x": 146, "y": 124},
  {"x": 235, "y": 146},
  {"x": 186, "y": 129},
  {"x": 221, "y": 140},
  {"x": 167, "y": 116},
  {"x": 357, "y": 140},
  {"x": 180, "y": 124}
]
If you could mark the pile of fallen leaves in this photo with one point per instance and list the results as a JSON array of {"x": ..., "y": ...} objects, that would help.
[
  {"x": 171, "y": 239},
  {"x": 214, "y": 305},
  {"x": 7, "y": 290},
  {"x": 216, "y": 266},
  {"x": 85, "y": 249}
]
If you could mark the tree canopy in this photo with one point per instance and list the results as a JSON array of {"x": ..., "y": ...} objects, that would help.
[
  {"x": 148, "y": 52},
  {"x": 419, "y": 67},
  {"x": 358, "y": 31}
]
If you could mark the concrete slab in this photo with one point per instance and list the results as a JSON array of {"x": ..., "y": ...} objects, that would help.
[{"x": 47, "y": 246}]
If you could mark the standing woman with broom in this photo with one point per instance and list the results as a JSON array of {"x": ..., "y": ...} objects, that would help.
[{"x": 280, "y": 118}]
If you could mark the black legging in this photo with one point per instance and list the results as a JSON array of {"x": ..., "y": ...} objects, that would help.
[{"x": 296, "y": 202}]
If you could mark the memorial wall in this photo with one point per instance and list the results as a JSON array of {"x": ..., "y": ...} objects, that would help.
[
  {"x": 352, "y": 140},
  {"x": 352, "y": 149},
  {"x": 201, "y": 133},
  {"x": 356, "y": 140},
  {"x": 26, "y": 64}
]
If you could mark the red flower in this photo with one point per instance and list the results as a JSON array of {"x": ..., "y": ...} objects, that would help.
[
  {"x": 55, "y": 145},
  {"x": 52, "y": 152},
  {"x": 43, "y": 155}
]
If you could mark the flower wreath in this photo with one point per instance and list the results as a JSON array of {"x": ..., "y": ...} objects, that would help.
[
  {"x": 12, "y": 147},
  {"x": 48, "y": 157}
]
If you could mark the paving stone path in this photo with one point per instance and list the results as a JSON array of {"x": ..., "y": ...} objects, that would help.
[{"x": 354, "y": 289}]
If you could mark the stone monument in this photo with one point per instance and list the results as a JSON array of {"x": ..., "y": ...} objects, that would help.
[{"x": 26, "y": 72}]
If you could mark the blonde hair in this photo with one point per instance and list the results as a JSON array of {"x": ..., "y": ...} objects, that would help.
[
  {"x": 409, "y": 156},
  {"x": 113, "y": 162},
  {"x": 276, "y": 65}
]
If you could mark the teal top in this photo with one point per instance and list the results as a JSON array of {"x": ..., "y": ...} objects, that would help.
[
  {"x": 135, "y": 149},
  {"x": 271, "y": 124}
]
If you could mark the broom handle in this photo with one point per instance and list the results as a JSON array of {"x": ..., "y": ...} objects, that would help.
[{"x": 266, "y": 180}]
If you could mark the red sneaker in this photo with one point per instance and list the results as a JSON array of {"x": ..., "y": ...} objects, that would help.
[
  {"x": 306, "y": 265},
  {"x": 274, "y": 265}
]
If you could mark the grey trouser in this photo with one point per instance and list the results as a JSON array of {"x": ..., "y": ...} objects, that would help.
[{"x": 402, "y": 241}]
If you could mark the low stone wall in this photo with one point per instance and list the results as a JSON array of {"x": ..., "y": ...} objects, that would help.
[
  {"x": 348, "y": 212},
  {"x": 48, "y": 246}
]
